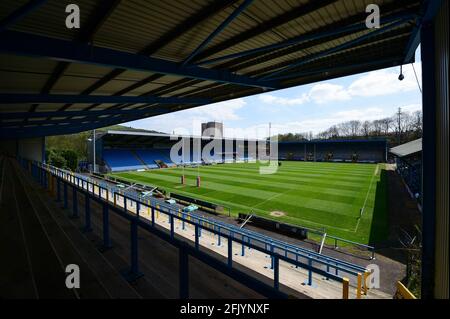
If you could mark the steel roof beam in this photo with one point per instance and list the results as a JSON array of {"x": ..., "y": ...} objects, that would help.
[
  {"x": 16, "y": 16},
  {"x": 222, "y": 26},
  {"x": 302, "y": 38},
  {"x": 163, "y": 90},
  {"x": 428, "y": 11},
  {"x": 20, "y": 13},
  {"x": 101, "y": 14},
  {"x": 388, "y": 36},
  {"x": 413, "y": 43},
  {"x": 390, "y": 9},
  {"x": 284, "y": 18},
  {"x": 19, "y": 115},
  {"x": 76, "y": 98},
  {"x": 62, "y": 50},
  {"x": 188, "y": 24},
  {"x": 108, "y": 77},
  {"x": 130, "y": 88},
  {"x": 68, "y": 128},
  {"x": 58, "y": 122},
  {"x": 343, "y": 46},
  {"x": 171, "y": 35},
  {"x": 82, "y": 120},
  {"x": 369, "y": 64}
]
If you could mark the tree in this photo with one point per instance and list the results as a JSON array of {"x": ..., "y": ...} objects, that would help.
[
  {"x": 71, "y": 158},
  {"x": 334, "y": 132},
  {"x": 366, "y": 127},
  {"x": 386, "y": 124},
  {"x": 75, "y": 142},
  {"x": 417, "y": 122},
  {"x": 55, "y": 158},
  {"x": 377, "y": 127},
  {"x": 402, "y": 127},
  {"x": 355, "y": 128},
  {"x": 402, "y": 122},
  {"x": 289, "y": 137},
  {"x": 344, "y": 129}
]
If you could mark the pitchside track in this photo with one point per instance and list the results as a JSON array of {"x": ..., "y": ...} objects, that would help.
[{"x": 348, "y": 200}]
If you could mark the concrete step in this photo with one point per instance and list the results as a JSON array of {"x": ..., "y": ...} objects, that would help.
[
  {"x": 158, "y": 261},
  {"x": 99, "y": 278},
  {"x": 44, "y": 271},
  {"x": 17, "y": 279}
]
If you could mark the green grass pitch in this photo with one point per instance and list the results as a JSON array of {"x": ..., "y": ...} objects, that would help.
[{"x": 317, "y": 195}]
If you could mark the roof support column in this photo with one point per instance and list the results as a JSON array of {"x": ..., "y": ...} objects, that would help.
[
  {"x": 435, "y": 64},
  {"x": 428, "y": 158}
]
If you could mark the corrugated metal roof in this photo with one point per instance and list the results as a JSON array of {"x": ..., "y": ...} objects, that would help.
[
  {"x": 407, "y": 148},
  {"x": 171, "y": 31},
  {"x": 115, "y": 135}
]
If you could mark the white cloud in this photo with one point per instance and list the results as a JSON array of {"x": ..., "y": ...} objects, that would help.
[
  {"x": 375, "y": 83},
  {"x": 221, "y": 111},
  {"x": 412, "y": 108},
  {"x": 369, "y": 114},
  {"x": 385, "y": 82},
  {"x": 271, "y": 99},
  {"x": 314, "y": 125},
  {"x": 189, "y": 121},
  {"x": 319, "y": 93},
  {"x": 327, "y": 92}
]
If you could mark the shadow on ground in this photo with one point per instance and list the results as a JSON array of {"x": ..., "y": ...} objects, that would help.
[
  {"x": 379, "y": 228},
  {"x": 394, "y": 212}
]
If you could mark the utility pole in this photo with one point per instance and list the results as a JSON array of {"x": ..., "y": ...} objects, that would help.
[
  {"x": 93, "y": 142},
  {"x": 270, "y": 139},
  {"x": 399, "y": 128}
]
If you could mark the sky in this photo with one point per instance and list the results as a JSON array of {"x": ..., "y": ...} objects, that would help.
[{"x": 306, "y": 108}]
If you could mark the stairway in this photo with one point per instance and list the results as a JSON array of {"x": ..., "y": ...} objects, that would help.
[
  {"x": 38, "y": 251},
  {"x": 136, "y": 155},
  {"x": 39, "y": 241}
]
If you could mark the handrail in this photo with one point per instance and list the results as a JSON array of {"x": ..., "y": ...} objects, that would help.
[
  {"x": 273, "y": 243},
  {"x": 300, "y": 251},
  {"x": 336, "y": 239},
  {"x": 297, "y": 251},
  {"x": 402, "y": 292},
  {"x": 197, "y": 225},
  {"x": 100, "y": 192}
]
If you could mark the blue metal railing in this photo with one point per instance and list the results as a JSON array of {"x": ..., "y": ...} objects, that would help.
[
  {"x": 369, "y": 248},
  {"x": 274, "y": 245},
  {"x": 249, "y": 236},
  {"x": 276, "y": 249},
  {"x": 286, "y": 248}
]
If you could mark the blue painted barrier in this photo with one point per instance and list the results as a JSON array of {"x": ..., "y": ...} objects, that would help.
[{"x": 278, "y": 249}]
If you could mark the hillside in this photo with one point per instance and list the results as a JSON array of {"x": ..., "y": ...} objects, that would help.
[
  {"x": 124, "y": 128},
  {"x": 78, "y": 142}
]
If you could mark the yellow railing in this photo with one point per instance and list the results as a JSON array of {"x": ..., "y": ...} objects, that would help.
[{"x": 403, "y": 292}]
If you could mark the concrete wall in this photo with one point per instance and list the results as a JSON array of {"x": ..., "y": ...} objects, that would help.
[
  {"x": 435, "y": 177},
  {"x": 32, "y": 148},
  {"x": 8, "y": 147},
  {"x": 441, "y": 282}
]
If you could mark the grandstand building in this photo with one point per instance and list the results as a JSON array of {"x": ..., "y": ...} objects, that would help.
[
  {"x": 408, "y": 159},
  {"x": 123, "y": 151},
  {"x": 131, "y": 60},
  {"x": 361, "y": 151}
]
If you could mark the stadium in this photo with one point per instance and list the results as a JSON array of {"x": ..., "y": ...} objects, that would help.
[
  {"x": 343, "y": 217},
  {"x": 231, "y": 178}
]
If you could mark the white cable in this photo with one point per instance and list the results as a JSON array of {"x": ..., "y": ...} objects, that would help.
[{"x": 417, "y": 79}]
